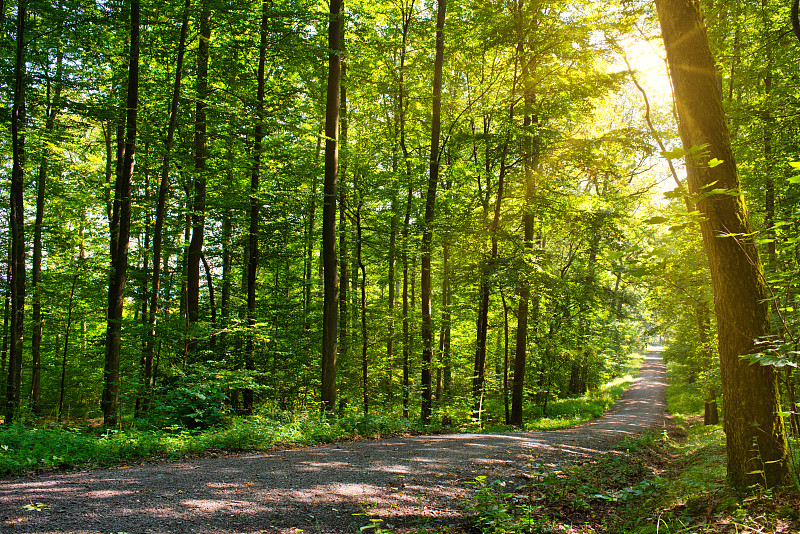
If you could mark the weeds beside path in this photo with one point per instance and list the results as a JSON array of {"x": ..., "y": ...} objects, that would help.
[{"x": 407, "y": 481}]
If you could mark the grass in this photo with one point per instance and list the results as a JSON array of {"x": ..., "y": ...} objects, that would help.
[{"x": 60, "y": 447}]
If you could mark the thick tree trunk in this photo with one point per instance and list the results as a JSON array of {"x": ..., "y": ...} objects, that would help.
[
  {"x": 121, "y": 228},
  {"x": 331, "y": 283},
  {"x": 430, "y": 207},
  {"x": 756, "y": 439},
  {"x": 198, "y": 199},
  {"x": 17, "y": 223}
]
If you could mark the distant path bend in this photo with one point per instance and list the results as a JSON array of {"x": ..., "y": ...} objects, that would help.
[{"x": 406, "y": 481}]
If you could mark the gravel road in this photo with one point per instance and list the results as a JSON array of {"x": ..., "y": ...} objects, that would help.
[{"x": 406, "y": 481}]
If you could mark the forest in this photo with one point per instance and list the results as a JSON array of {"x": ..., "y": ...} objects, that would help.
[{"x": 457, "y": 211}]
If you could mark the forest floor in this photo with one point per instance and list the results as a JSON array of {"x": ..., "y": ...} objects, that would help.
[{"x": 408, "y": 482}]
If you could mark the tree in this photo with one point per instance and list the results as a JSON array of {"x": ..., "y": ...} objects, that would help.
[
  {"x": 198, "y": 199},
  {"x": 252, "y": 263},
  {"x": 120, "y": 228},
  {"x": 17, "y": 223},
  {"x": 756, "y": 439},
  {"x": 430, "y": 208},
  {"x": 331, "y": 283}
]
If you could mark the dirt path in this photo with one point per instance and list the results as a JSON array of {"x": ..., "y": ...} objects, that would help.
[{"x": 408, "y": 481}]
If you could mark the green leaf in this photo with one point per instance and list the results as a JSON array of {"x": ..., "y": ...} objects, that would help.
[
  {"x": 713, "y": 162},
  {"x": 793, "y": 179},
  {"x": 35, "y": 507},
  {"x": 795, "y": 165},
  {"x": 674, "y": 154},
  {"x": 656, "y": 220}
]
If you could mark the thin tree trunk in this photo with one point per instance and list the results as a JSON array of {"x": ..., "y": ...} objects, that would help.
[
  {"x": 121, "y": 228},
  {"x": 36, "y": 267},
  {"x": 161, "y": 210},
  {"x": 407, "y": 16},
  {"x": 17, "y": 223},
  {"x": 344, "y": 277},
  {"x": 211, "y": 300},
  {"x": 430, "y": 207},
  {"x": 255, "y": 207},
  {"x": 6, "y": 317},
  {"x": 331, "y": 282},
  {"x": 312, "y": 209},
  {"x": 530, "y": 161},
  {"x": 198, "y": 200},
  {"x": 364, "y": 340},
  {"x": 62, "y": 388}
]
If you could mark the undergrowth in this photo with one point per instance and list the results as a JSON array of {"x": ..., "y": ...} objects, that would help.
[
  {"x": 23, "y": 448},
  {"x": 658, "y": 483}
]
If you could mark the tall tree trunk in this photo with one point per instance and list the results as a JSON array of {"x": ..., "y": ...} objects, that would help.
[
  {"x": 756, "y": 438},
  {"x": 430, "y": 207},
  {"x": 364, "y": 340},
  {"x": 530, "y": 162},
  {"x": 36, "y": 267},
  {"x": 17, "y": 223},
  {"x": 198, "y": 199},
  {"x": 406, "y": 325},
  {"x": 227, "y": 262},
  {"x": 309, "y": 266},
  {"x": 444, "y": 370},
  {"x": 120, "y": 232},
  {"x": 407, "y": 14},
  {"x": 255, "y": 207},
  {"x": 161, "y": 211},
  {"x": 62, "y": 388},
  {"x": 331, "y": 291},
  {"x": 392, "y": 296},
  {"x": 344, "y": 276},
  {"x": 6, "y": 317}
]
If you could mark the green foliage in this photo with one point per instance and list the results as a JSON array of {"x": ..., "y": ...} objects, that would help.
[
  {"x": 27, "y": 449},
  {"x": 602, "y": 493}
]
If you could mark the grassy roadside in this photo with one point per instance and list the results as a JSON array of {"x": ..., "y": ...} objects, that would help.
[
  {"x": 25, "y": 449},
  {"x": 668, "y": 481}
]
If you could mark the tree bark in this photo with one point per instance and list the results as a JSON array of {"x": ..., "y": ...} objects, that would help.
[
  {"x": 530, "y": 161},
  {"x": 331, "y": 283},
  {"x": 17, "y": 223},
  {"x": 344, "y": 276},
  {"x": 407, "y": 17},
  {"x": 36, "y": 267},
  {"x": 364, "y": 339},
  {"x": 121, "y": 228},
  {"x": 161, "y": 210},
  {"x": 756, "y": 438},
  {"x": 430, "y": 208},
  {"x": 255, "y": 207},
  {"x": 198, "y": 199}
]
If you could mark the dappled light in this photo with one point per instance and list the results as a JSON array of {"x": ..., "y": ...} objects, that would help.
[{"x": 338, "y": 485}]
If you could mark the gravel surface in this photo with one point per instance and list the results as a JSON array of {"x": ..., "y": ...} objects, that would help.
[{"x": 413, "y": 481}]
